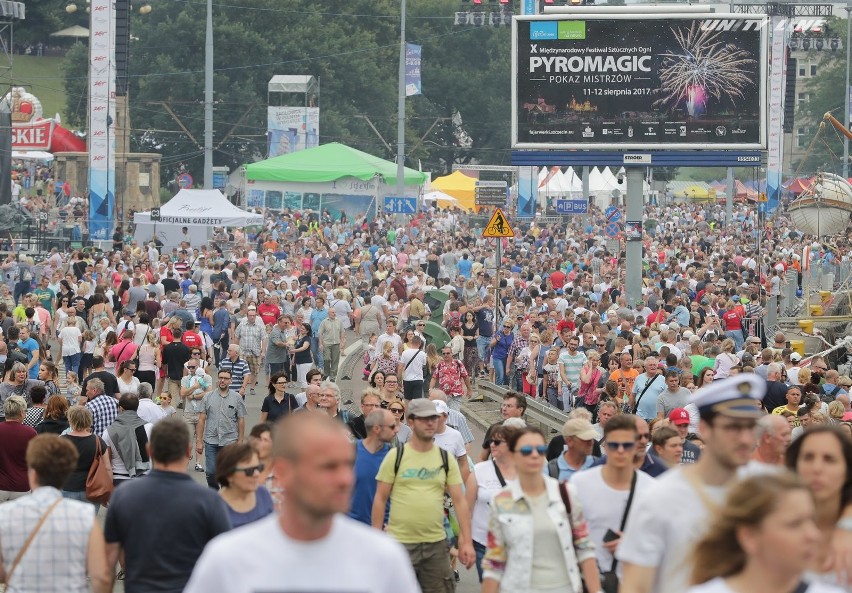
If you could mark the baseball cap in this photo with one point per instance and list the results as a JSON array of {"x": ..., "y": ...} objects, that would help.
[
  {"x": 795, "y": 357},
  {"x": 422, "y": 408},
  {"x": 580, "y": 428},
  {"x": 442, "y": 407},
  {"x": 679, "y": 416}
]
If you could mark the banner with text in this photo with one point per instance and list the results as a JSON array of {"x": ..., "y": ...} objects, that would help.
[
  {"x": 102, "y": 119},
  {"x": 291, "y": 129},
  {"x": 413, "y": 53},
  {"x": 631, "y": 81}
]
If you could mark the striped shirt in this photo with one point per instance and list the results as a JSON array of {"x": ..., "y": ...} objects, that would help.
[
  {"x": 238, "y": 368},
  {"x": 571, "y": 366}
]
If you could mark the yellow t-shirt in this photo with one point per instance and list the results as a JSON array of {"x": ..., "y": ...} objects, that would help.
[{"x": 417, "y": 497}]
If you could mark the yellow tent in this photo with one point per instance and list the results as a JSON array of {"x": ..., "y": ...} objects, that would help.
[
  {"x": 698, "y": 192},
  {"x": 460, "y": 186}
]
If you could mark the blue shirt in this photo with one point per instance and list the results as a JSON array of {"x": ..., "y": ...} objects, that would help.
[
  {"x": 316, "y": 318},
  {"x": 647, "y": 406},
  {"x": 30, "y": 347},
  {"x": 263, "y": 506},
  {"x": 501, "y": 348},
  {"x": 366, "y": 468},
  {"x": 566, "y": 471},
  {"x": 464, "y": 267}
]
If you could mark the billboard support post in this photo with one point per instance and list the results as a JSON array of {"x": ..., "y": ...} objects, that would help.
[
  {"x": 586, "y": 195},
  {"x": 729, "y": 198},
  {"x": 635, "y": 181}
]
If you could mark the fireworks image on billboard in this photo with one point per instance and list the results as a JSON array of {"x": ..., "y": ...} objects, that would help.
[
  {"x": 704, "y": 67},
  {"x": 649, "y": 81}
]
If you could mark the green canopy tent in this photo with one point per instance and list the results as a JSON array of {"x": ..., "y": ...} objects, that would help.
[{"x": 328, "y": 162}]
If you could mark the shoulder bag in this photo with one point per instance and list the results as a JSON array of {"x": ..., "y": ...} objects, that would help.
[
  {"x": 639, "y": 399},
  {"x": 99, "y": 484},
  {"x": 609, "y": 580},
  {"x": 27, "y": 543}
]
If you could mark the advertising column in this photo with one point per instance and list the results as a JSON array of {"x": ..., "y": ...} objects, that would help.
[
  {"x": 777, "y": 78},
  {"x": 527, "y": 176},
  {"x": 102, "y": 120}
]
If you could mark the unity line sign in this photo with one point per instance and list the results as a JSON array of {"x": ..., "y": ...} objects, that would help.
[{"x": 630, "y": 81}]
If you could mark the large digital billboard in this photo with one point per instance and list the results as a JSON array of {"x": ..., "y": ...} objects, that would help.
[{"x": 631, "y": 81}]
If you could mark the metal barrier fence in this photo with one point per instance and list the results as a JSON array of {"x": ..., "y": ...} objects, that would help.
[
  {"x": 822, "y": 276},
  {"x": 548, "y": 418}
]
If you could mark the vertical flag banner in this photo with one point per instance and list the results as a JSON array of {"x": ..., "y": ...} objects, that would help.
[
  {"x": 413, "y": 53},
  {"x": 777, "y": 77},
  {"x": 102, "y": 120},
  {"x": 527, "y": 192}
]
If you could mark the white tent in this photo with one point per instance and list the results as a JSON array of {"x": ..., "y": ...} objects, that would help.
[
  {"x": 599, "y": 183},
  {"x": 436, "y": 196},
  {"x": 559, "y": 183},
  {"x": 197, "y": 210}
]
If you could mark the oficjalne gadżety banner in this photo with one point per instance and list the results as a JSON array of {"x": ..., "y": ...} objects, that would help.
[{"x": 639, "y": 81}]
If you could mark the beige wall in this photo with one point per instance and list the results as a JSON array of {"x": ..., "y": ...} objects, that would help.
[{"x": 139, "y": 193}]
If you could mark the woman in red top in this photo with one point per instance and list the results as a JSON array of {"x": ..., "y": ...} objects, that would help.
[
  {"x": 124, "y": 350},
  {"x": 732, "y": 319}
]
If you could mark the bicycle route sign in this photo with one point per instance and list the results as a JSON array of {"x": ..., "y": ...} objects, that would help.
[{"x": 497, "y": 226}]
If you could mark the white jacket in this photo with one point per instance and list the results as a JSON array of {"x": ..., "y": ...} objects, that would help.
[{"x": 508, "y": 558}]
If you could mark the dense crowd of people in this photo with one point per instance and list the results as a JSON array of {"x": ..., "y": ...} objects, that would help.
[{"x": 671, "y": 400}]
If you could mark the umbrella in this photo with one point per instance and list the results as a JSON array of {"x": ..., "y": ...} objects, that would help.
[{"x": 77, "y": 32}]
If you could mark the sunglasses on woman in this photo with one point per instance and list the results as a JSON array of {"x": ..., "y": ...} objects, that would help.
[
  {"x": 395, "y": 410},
  {"x": 250, "y": 471},
  {"x": 527, "y": 450}
]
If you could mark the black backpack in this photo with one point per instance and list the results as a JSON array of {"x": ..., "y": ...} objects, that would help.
[{"x": 445, "y": 460}]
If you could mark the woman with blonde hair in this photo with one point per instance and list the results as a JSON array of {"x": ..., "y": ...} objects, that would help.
[
  {"x": 387, "y": 360},
  {"x": 150, "y": 359},
  {"x": 725, "y": 361},
  {"x": 763, "y": 539}
]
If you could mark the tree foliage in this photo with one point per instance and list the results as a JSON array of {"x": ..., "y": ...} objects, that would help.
[
  {"x": 825, "y": 96},
  {"x": 353, "y": 47}
]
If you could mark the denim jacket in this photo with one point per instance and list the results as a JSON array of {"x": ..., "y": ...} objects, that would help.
[{"x": 508, "y": 557}]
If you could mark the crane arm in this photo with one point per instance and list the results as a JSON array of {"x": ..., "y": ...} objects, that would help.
[{"x": 837, "y": 125}]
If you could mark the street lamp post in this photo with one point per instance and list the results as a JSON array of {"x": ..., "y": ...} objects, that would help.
[
  {"x": 846, "y": 105},
  {"x": 400, "y": 106}
]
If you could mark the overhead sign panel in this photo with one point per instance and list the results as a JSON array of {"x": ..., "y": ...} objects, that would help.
[
  {"x": 490, "y": 193},
  {"x": 649, "y": 81}
]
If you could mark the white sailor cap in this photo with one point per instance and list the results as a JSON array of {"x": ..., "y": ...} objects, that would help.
[{"x": 738, "y": 396}]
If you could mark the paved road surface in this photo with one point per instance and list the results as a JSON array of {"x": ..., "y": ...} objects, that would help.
[{"x": 350, "y": 390}]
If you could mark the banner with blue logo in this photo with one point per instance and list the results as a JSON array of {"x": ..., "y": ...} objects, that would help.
[
  {"x": 102, "y": 120},
  {"x": 413, "y": 53}
]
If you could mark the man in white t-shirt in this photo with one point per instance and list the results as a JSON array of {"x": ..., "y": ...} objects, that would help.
[
  {"x": 450, "y": 440},
  {"x": 604, "y": 490},
  {"x": 70, "y": 342},
  {"x": 390, "y": 335},
  {"x": 674, "y": 512},
  {"x": 312, "y": 462},
  {"x": 410, "y": 369}
]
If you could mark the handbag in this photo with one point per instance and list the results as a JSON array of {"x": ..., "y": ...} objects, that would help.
[
  {"x": 99, "y": 484},
  {"x": 27, "y": 543},
  {"x": 609, "y": 580}
]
